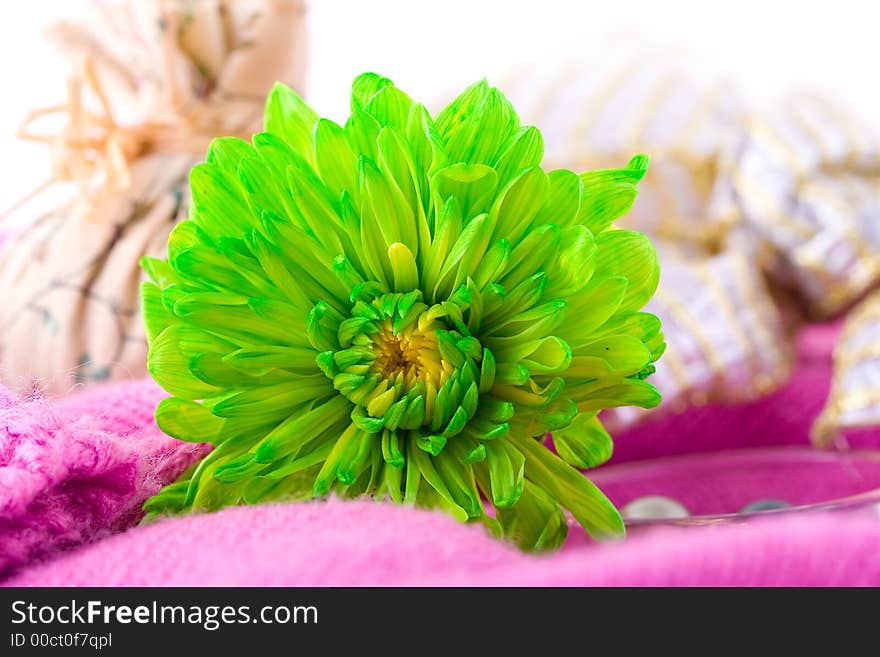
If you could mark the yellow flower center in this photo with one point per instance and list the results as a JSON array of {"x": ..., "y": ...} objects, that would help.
[{"x": 409, "y": 356}]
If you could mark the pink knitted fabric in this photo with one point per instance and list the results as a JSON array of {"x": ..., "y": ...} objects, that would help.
[
  {"x": 366, "y": 543},
  {"x": 79, "y": 469}
]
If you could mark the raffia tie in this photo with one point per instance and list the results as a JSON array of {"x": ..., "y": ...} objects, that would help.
[{"x": 94, "y": 151}]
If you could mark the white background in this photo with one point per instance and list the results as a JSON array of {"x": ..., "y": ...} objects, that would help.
[{"x": 430, "y": 48}]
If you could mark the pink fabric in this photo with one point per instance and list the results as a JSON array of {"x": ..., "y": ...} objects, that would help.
[
  {"x": 80, "y": 469},
  {"x": 367, "y": 543},
  {"x": 75, "y": 471}
]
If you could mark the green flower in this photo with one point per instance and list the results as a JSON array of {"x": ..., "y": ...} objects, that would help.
[{"x": 403, "y": 307}]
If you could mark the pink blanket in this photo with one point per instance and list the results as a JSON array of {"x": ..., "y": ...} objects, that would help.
[{"x": 74, "y": 473}]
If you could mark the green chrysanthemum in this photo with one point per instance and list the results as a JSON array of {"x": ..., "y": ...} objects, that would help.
[{"x": 402, "y": 307}]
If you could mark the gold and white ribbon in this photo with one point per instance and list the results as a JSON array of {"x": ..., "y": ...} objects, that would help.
[
  {"x": 763, "y": 219},
  {"x": 854, "y": 399}
]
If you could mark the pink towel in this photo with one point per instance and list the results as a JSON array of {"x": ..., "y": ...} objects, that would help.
[{"x": 363, "y": 543}]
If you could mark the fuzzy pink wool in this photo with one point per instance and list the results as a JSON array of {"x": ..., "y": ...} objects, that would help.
[{"x": 80, "y": 468}]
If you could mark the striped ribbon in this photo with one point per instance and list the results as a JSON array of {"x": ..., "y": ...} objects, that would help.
[
  {"x": 854, "y": 399},
  {"x": 763, "y": 219}
]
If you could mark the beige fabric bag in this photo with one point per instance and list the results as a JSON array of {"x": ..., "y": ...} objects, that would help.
[{"x": 163, "y": 78}]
